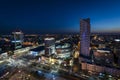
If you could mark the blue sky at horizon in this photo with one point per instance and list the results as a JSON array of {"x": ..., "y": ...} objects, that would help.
[{"x": 52, "y": 16}]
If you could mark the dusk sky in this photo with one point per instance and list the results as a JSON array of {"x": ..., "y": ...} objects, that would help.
[{"x": 54, "y": 16}]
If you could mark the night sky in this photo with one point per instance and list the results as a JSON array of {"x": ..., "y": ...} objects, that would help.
[{"x": 58, "y": 16}]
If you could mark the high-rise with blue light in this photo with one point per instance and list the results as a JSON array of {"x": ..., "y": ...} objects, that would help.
[
  {"x": 84, "y": 37},
  {"x": 17, "y": 38}
]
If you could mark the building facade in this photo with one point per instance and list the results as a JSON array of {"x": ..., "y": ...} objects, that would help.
[
  {"x": 49, "y": 46},
  {"x": 84, "y": 37},
  {"x": 17, "y": 39}
]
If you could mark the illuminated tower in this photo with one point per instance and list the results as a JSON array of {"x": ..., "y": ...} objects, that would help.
[
  {"x": 84, "y": 37},
  {"x": 17, "y": 38},
  {"x": 49, "y": 46}
]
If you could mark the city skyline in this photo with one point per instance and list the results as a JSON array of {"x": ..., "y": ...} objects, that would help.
[{"x": 58, "y": 16}]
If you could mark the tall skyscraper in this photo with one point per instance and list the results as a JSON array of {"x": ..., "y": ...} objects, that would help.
[
  {"x": 84, "y": 37},
  {"x": 17, "y": 38},
  {"x": 49, "y": 46}
]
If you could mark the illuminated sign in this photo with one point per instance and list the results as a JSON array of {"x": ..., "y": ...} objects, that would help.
[
  {"x": 17, "y": 41},
  {"x": 118, "y": 40}
]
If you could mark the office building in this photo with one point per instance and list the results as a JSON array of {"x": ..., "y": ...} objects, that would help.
[
  {"x": 63, "y": 50},
  {"x": 49, "y": 46},
  {"x": 17, "y": 39},
  {"x": 84, "y": 37}
]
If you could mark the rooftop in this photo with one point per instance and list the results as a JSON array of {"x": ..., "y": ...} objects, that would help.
[{"x": 40, "y": 48}]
